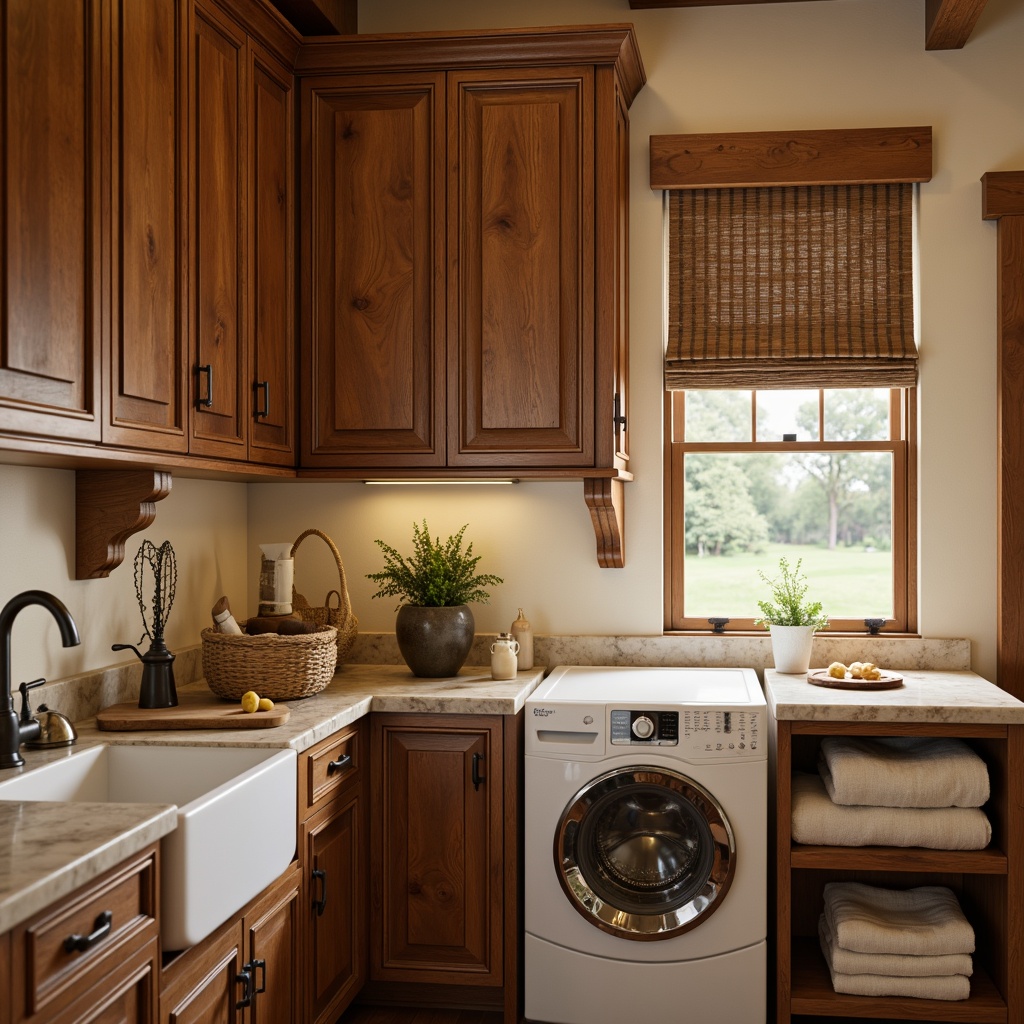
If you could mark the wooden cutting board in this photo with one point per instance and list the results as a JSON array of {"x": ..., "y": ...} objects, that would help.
[{"x": 194, "y": 711}]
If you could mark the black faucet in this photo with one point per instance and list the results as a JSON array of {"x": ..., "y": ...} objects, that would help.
[{"x": 13, "y": 732}]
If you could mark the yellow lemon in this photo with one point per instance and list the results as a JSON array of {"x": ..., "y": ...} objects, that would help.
[
  {"x": 250, "y": 701},
  {"x": 266, "y": 704}
]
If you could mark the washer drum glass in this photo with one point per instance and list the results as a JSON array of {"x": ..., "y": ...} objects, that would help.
[{"x": 644, "y": 853}]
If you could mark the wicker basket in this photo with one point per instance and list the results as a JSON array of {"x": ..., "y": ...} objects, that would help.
[
  {"x": 275, "y": 666},
  {"x": 341, "y": 616}
]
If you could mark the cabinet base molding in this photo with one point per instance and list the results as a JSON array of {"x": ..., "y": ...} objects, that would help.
[
  {"x": 448, "y": 997},
  {"x": 111, "y": 505}
]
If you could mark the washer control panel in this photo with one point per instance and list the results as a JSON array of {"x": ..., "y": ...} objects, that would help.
[{"x": 700, "y": 731}]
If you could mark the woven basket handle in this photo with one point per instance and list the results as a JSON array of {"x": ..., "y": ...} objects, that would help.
[{"x": 345, "y": 604}]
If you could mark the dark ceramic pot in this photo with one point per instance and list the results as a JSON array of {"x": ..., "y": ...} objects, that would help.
[{"x": 435, "y": 642}]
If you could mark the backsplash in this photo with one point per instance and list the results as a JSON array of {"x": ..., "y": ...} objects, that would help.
[{"x": 81, "y": 696}]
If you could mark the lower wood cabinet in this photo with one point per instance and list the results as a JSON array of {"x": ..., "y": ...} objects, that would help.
[
  {"x": 248, "y": 971},
  {"x": 5, "y": 979},
  {"x": 91, "y": 956},
  {"x": 444, "y": 866},
  {"x": 333, "y": 845}
]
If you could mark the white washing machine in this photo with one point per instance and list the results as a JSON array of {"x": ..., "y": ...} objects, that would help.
[{"x": 646, "y": 846}]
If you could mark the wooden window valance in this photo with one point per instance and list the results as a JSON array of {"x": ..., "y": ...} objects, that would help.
[{"x": 780, "y": 283}]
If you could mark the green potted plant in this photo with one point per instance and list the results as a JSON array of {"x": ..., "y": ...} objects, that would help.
[
  {"x": 437, "y": 583},
  {"x": 791, "y": 619}
]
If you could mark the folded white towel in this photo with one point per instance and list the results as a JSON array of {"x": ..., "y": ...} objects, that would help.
[
  {"x": 896, "y": 965},
  {"x": 924, "y": 921},
  {"x": 817, "y": 820},
  {"x": 903, "y": 771}
]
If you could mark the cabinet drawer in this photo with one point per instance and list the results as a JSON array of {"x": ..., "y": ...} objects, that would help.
[
  {"x": 61, "y": 951},
  {"x": 331, "y": 766}
]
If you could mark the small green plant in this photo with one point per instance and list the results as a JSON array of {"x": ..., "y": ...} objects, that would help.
[
  {"x": 788, "y": 607},
  {"x": 436, "y": 575}
]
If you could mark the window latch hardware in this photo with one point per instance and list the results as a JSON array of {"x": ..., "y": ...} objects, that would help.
[
  {"x": 617, "y": 418},
  {"x": 718, "y": 624},
  {"x": 874, "y": 626},
  {"x": 789, "y": 437}
]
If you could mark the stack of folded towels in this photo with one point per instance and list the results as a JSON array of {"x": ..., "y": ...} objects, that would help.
[
  {"x": 886, "y": 942},
  {"x": 893, "y": 791}
]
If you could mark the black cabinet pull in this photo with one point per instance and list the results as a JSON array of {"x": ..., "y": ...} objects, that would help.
[
  {"x": 262, "y": 389},
  {"x": 335, "y": 766},
  {"x": 244, "y": 977},
  {"x": 320, "y": 904},
  {"x": 207, "y": 402},
  {"x": 100, "y": 930},
  {"x": 261, "y": 966},
  {"x": 477, "y": 777}
]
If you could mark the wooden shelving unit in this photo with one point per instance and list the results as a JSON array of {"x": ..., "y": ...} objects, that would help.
[{"x": 989, "y": 883}]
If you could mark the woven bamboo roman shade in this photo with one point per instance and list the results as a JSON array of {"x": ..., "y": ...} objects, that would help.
[{"x": 805, "y": 286}]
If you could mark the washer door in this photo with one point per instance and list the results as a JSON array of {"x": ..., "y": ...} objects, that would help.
[{"x": 644, "y": 853}]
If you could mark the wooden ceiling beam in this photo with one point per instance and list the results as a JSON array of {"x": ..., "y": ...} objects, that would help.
[{"x": 948, "y": 24}]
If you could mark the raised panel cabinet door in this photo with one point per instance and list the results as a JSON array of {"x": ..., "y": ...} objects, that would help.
[
  {"x": 437, "y": 857},
  {"x": 521, "y": 267},
  {"x": 206, "y": 987},
  {"x": 127, "y": 995},
  {"x": 336, "y": 907},
  {"x": 271, "y": 259},
  {"x": 373, "y": 291},
  {"x": 5, "y": 979},
  {"x": 50, "y": 201},
  {"x": 147, "y": 385},
  {"x": 273, "y": 929},
  {"x": 217, "y": 141}
]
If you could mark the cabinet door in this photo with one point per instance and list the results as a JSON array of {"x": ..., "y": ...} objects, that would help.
[
  {"x": 521, "y": 266},
  {"x": 436, "y": 859},
  {"x": 217, "y": 267},
  {"x": 335, "y": 842},
  {"x": 146, "y": 384},
  {"x": 373, "y": 298},
  {"x": 272, "y": 935},
  {"x": 206, "y": 987},
  {"x": 271, "y": 260},
  {"x": 50, "y": 197},
  {"x": 5, "y": 979},
  {"x": 127, "y": 995}
]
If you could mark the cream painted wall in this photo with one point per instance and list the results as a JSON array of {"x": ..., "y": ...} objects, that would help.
[
  {"x": 848, "y": 63},
  {"x": 204, "y": 521}
]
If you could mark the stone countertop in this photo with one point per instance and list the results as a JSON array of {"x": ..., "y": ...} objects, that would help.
[
  {"x": 47, "y": 850},
  {"x": 926, "y": 696}
]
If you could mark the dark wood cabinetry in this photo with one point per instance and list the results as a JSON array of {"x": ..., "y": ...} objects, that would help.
[
  {"x": 333, "y": 840},
  {"x": 483, "y": 345},
  {"x": 444, "y": 865},
  {"x": 111, "y": 975},
  {"x": 51, "y": 117},
  {"x": 988, "y": 883}
]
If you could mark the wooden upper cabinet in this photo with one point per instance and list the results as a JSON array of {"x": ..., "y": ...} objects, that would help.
[
  {"x": 521, "y": 268},
  {"x": 271, "y": 249},
  {"x": 373, "y": 293},
  {"x": 217, "y": 113},
  {"x": 146, "y": 385},
  {"x": 50, "y": 204}
]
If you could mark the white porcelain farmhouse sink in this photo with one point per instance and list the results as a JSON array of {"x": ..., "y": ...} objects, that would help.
[{"x": 236, "y": 819}]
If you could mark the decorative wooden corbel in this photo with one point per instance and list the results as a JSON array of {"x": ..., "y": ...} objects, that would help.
[
  {"x": 606, "y": 502},
  {"x": 111, "y": 505}
]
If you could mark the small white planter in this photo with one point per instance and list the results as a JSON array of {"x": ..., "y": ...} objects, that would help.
[{"x": 791, "y": 647}]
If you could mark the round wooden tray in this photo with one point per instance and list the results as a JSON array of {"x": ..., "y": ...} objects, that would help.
[{"x": 888, "y": 681}]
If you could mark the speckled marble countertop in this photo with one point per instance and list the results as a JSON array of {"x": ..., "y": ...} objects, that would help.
[
  {"x": 47, "y": 850},
  {"x": 926, "y": 696}
]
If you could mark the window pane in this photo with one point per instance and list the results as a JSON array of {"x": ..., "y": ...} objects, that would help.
[
  {"x": 857, "y": 414},
  {"x": 717, "y": 416},
  {"x": 742, "y": 512},
  {"x": 787, "y": 412}
]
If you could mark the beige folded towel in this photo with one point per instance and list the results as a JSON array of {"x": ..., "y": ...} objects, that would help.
[
  {"x": 924, "y": 921},
  {"x": 948, "y": 986},
  {"x": 817, "y": 820},
  {"x": 896, "y": 965},
  {"x": 903, "y": 771}
]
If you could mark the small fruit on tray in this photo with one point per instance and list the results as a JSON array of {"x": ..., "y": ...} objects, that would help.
[
  {"x": 252, "y": 702},
  {"x": 858, "y": 670}
]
